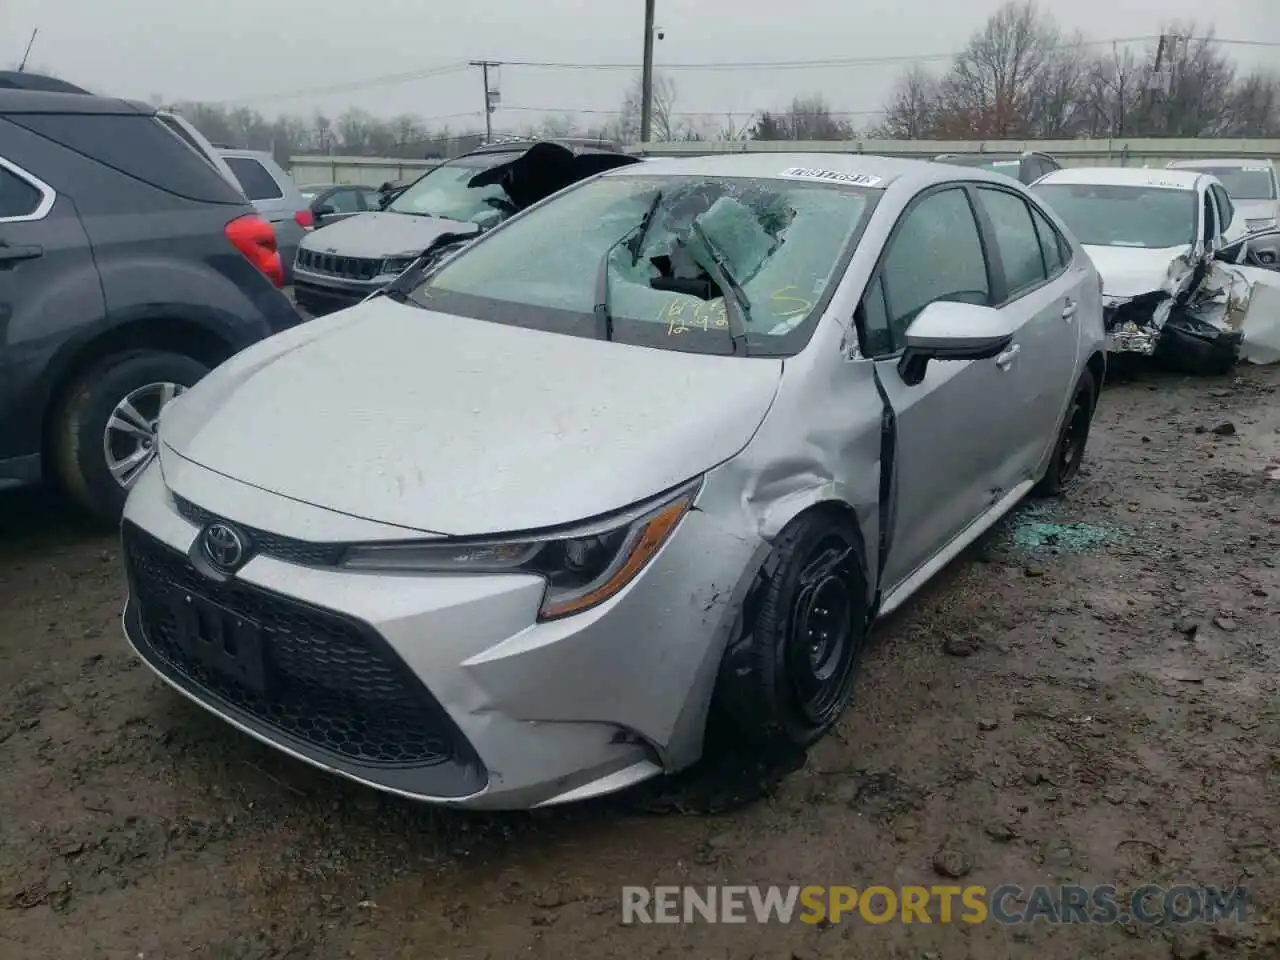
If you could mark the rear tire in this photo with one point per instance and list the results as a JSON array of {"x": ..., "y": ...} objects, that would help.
[
  {"x": 83, "y": 451},
  {"x": 1073, "y": 438},
  {"x": 788, "y": 674}
]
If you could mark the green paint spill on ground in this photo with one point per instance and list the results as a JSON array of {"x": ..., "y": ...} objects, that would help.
[{"x": 1068, "y": 537}]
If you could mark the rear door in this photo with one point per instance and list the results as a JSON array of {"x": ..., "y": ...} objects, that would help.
[
  {"x": 46, "y": 271},
  {"x": 949, "y": 429},
  {"x": 342, "y": 202},
  {"x": 1034, "y": 281}
]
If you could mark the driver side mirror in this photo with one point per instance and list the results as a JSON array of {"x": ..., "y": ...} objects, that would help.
[
  {"x": 947, "y": 330},
  {"x": 323, "y": 211}
]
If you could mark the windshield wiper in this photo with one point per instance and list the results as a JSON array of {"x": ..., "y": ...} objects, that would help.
[
  {"x": 400, "y": 288},
  {"x": 642, "y": 230},
  {"x": 636, "y": 237},
  {"x": 740, "y": 316}
]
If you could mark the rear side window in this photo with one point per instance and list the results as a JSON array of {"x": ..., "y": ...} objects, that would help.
[
  {"x": 344, "y": 201},
  {"x": 257, "y": 181},
  {"x": 1016, "y": 239},
  {"x": 138, "y": 146},
  {"x": 17, "y": 197},
  {"x": 1052, "y": 246}
]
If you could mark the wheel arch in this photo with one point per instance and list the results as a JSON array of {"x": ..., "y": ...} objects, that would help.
[{"x": 199, "y": 340}]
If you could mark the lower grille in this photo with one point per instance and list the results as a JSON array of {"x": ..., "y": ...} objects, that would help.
[{"x": 333, "y": 683}]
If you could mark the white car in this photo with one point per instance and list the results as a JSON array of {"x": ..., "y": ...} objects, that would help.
[
  {"x": 1158, "y": 238},
  {"x": 1254, "y": 188}
]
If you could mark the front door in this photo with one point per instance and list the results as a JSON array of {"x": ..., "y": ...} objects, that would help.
[{"x": 949, "y": 428}]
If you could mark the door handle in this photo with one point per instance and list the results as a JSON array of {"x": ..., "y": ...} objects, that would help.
[
  {"x": 28, "y": 252},
  {"x": 1069, "y": 310},
  {"x": 1005, "y": 360}
]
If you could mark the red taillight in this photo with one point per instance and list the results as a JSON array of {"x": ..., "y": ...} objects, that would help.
[
  {"x": 256, "y": 239},
  {"x": 305, "y": 219}
]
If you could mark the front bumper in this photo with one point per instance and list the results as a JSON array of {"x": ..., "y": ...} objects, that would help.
[
  {"x": 446, "y": 689},
  {"x": 320, "y": 295}
]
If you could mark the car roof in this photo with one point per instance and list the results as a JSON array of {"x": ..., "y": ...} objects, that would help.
[
  {"x": 251, "y": 154},
  {"x": 22, "y": 80},
  {"x": 1221, "y": 162},
  {"x": 885, "y": 170},
  {"x": 1126, "y": 177},
  {"x": 44, "y": 101},
  {"x": 576, "y": 144}
]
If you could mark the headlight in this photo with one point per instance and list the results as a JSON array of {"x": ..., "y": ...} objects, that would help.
[{"x": 583, "y": 566}]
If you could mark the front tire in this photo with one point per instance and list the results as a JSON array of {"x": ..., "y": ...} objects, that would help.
[
  {"x": 1073, "y": 437},
  {"x": 787, "y": 675},
  {"x": 104, "y": 432}
]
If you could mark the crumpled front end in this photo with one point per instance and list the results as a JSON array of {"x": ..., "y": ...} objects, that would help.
[{"x": 1133, "y": 321}]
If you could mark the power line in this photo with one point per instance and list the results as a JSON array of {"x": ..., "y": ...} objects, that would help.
[
  {"x": 386, "y": 80},
  {"x": 795, "y": 64}
]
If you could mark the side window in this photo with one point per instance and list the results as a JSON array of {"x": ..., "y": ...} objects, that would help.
[
  {"x": 344, "y": 201},
  {"x": 936, "y": 254},
  {"x": 371, "y": 199},
  {"x": 1016, "y": 239},
  {"x": 1225, "y": 207},
  {"x": 137, "y": 146},
  {"x": 18, "y": 198},
  {"x": 257, "y": 181},
  {"x": 1051, "y": 244},
  {"x": 875, "y": 321}
]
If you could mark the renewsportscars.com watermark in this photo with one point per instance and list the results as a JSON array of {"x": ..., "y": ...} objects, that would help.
[{"x": 1007, "y": 904}]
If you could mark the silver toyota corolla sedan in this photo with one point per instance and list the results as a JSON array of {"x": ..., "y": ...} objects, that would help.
[{"x": 659, "y": 448}]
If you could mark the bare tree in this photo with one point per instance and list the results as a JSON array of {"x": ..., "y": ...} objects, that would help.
[
  {"x": 912, "y": 110},
  {"x": 662, "y": 113},
  {"x": 1054, "y": 106},
  {"x": 1111, "y": 94},
  {"x": 989, "y": 87},
  {"x": 1201, "y": 79}
]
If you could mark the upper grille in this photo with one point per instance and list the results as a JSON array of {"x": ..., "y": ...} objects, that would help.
[
  {"x": 288, "y": 549},
  {"x": 349, "y": 268},
  {"x": 335, "y": 684}
]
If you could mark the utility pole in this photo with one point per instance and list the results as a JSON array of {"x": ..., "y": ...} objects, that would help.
[
  {"x": 23, "y": 65},
  {"x": 646, "y": 76},
  {"x": 1157, "y": 79},
  {"x": 490, "y": 101}
]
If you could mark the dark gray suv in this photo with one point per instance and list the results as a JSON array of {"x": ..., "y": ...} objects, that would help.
[{"x": 128, "y": 268}]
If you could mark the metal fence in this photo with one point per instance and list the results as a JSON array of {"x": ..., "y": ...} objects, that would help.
[{"x": 374, "y": 171}]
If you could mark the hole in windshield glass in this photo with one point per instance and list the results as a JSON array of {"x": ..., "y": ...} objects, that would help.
[{"x": 664, "y": 253}]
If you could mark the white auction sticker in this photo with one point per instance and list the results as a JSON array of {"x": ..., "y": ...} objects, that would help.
[{"x": 830, "y": 176}]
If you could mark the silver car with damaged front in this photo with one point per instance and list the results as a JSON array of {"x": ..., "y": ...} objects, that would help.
[{"x": 658, "y": 449}]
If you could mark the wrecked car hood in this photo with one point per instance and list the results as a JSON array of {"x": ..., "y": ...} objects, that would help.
[
  {"x": 451, "y": 425},
  {"x": 1132, "y": 271},
  {"x": 382, "y": 235}
]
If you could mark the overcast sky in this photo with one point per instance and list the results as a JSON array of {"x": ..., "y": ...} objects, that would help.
[{"x": 255, "y": 51}]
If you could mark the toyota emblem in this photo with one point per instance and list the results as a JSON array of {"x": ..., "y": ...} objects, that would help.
[{"x": 224, "y": 546}]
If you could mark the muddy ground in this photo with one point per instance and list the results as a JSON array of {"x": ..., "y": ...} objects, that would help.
[{"x": 1099, "y": 708}]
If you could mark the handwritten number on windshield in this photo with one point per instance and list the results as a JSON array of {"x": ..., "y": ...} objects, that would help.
[{"x": 680, "y": 316}]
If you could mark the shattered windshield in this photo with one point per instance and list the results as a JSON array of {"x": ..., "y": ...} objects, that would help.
[
  {"x": 1107, "y": 215},
  {"x": 443, "y": 192},
  {"x": 1245, "y": 183},
  {"x": 658, "y": 250}
]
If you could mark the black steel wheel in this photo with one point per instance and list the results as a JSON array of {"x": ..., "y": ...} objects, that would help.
[
  {"x": 788, "y": 673},
  {"x": 1073, "y": 438}
]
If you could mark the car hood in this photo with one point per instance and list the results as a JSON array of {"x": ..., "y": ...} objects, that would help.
[
  {"x": 457, "y": 426},
  {"x": 382, "y": 235},
  {"x": 1133, "y": 271}
]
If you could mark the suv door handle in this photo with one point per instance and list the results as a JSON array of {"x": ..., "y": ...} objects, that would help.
[
  {"x": 1069, "y": 311},
  {"x": 1005, "y": 360},
  {"x": 28, "y": 252}
]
